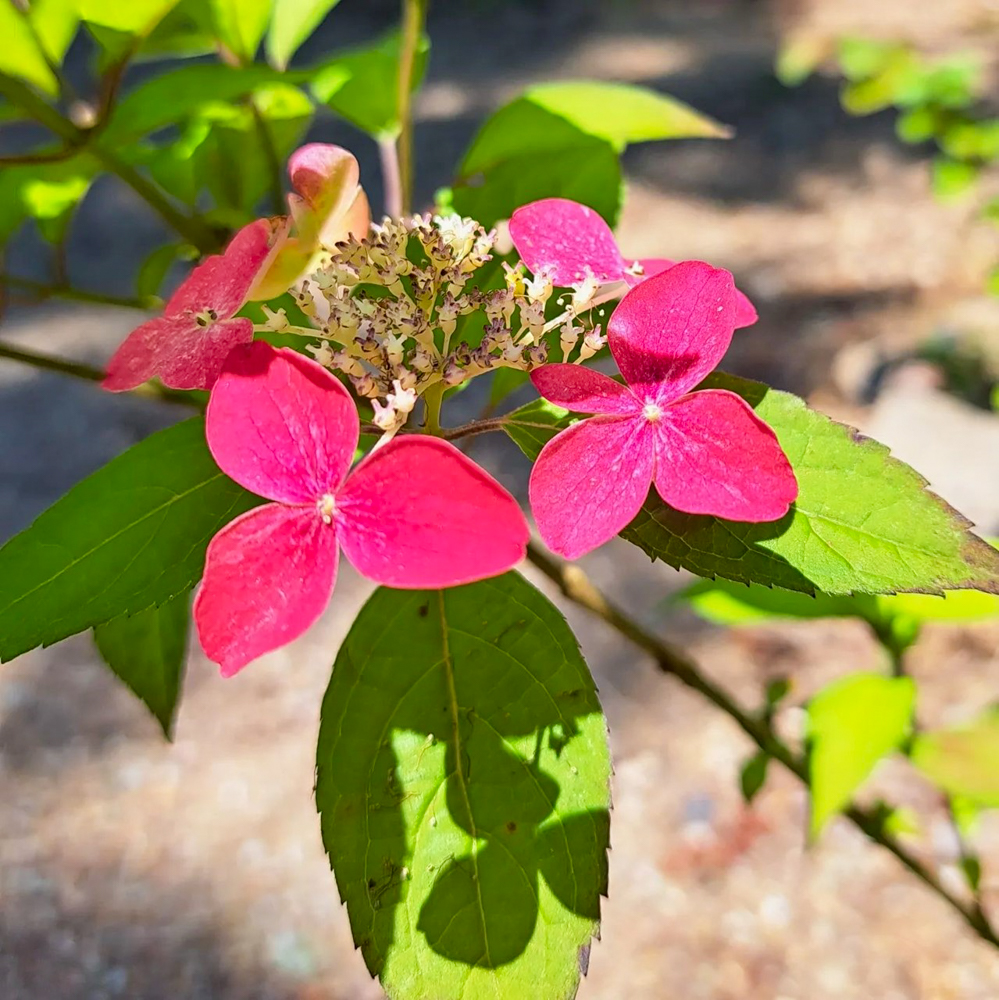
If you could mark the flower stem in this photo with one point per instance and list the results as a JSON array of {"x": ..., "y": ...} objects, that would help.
[
  {"x": 414, "y": 15},
  {"x": 432, "y": 400},
  {"x": 389, "y": 150},
  {"x": 579, "y": 589}
]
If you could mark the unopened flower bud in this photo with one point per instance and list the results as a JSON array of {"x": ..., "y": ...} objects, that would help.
[
  {"x": 403, "y": 400},
  {"x": 423, "y": 360},
  {"x": 347, "y": 364},
  {"x": 385, "y": 417},
  {"x": 364, "y": 385},
  {"x": 276, "y": 321},
  {"x": 453, "y": 374},
  {"x": 394, "y": 350},
  {"x": 537, "y": 354}
]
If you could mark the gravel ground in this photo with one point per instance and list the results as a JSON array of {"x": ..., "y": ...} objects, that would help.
[{"x": 133, "y": 869}]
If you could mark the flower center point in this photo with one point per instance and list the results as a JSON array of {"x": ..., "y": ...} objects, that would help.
[
  {"x": 652, "y": 412},
  {"x": 326, "y": 505}
]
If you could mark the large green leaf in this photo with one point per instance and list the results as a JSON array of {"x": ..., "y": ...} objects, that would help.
[
  {"x": 852, "y": 724},
  {"x": 362, "y": 85},
  {"x": 146, "y": 651},
  {"x": 462, "y": 779},
  {"x": 294, "y": 21},
  {"x": 47, "y": 192},
  {"x": 130, "y": 536},
  {"x": 863, "y": 523},
  {"x": 135, "y": 17},
  {"x": 963, "y": 761}
]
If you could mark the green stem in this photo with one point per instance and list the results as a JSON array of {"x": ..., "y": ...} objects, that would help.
[
  {"x": 42, "y": 291},
  {"x": 578, "y": 588},
  {"x": 414, "y": 15},
  {"x": 432, "y": 400},
  {"x": 76, "y": 369}
]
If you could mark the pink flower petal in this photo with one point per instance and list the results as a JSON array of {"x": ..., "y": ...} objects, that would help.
[
  {"x": 326, "y": 179},
  {"x": 668, "y": 332},
  {"x": 745, "y": 311},
  {"x": 584, "y": 390},
  {"x": 177, "y": 351},
  {"x": 715, "y": 456},
  {"x": 568, "y": 240},
  {"x": 135, "y": 360},
  {"x": 281, "y": 425},
  {"x": 590, "y": 481},
  {"x": 268, "y": 576},
  {"x": 417, "y": 513},
  {"x": 222, "y": 283}
]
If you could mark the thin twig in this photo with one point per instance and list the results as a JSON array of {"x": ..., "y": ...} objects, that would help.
[
  {"x": 579, "y": 589},
  {"x": 40, "y": 290},
  {"x": 77, "y": 369}
]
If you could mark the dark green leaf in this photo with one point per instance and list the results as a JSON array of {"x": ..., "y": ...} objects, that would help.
[
  {"x": 362, "y": 85},
  {"x": 753, "y": 776},
  {"x": 130, "y": 536},
  {"x": 852, "y": 724},
  {"x": 146, "y": 651},
  {"x": 863, "y": 523},
  {"x": 155, "y": 267},
  {"x": 462, "y": 779},
  {"x": 294, "y": 21}
]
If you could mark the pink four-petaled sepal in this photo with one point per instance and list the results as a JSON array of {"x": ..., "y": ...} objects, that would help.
[
  {"x": 573, "y": 243},
  {"x": 706, "y": 452},
  {"x": 414, "y": 514},
  {"x": 186, "y": 347}
]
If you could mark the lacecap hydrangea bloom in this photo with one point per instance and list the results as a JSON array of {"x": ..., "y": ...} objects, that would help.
[
  {"x": 706, "y": 452},
  {"x": 415, "y": 513}
]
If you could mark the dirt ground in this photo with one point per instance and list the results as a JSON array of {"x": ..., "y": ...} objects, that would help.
[{"x": 134, "y": 869}]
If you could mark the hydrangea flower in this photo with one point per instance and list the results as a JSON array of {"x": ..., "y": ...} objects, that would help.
[
  {"x": 572, "y": 244},
  {"x": 706, "y": 452},
  {"x": 415, "y": 513},
  {"x": 186, "y": 346},
  {"x": 327, "y": 206}
]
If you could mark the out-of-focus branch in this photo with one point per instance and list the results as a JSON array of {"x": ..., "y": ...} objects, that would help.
[
  {"x": 414, "y": 15},
  {"x": 578, "y": 588}
]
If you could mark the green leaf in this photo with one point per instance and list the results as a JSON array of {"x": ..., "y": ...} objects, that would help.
[
  {"x": 799, "y": 57},
  {"x": 294, "y": 21},
  {"x": 863, "y": 523},
  {"x": 362, "y": 85},
  {"x": 55, "y": 23},
  {"x": 146, "y": 651},
  {"x": 155, "y": 267},
  {"x": 136, "y": 17},
  {"x": 963, "y": 761},
  {"x": 181, "y": 93},
  {"x": 864, "y": 57},
  {"x": 621, "y": 113},
  {"x": 953, "y": 178},
  {"x": 20, "y": 54},
  {"x": 723, "y": 602},
  {"x": 852, "y": 724},
  {"x": 51, "y": 196},
  {"x": 970, "y": 140},
  {"x": 130, "y": 536},
  {"x": 241, "y": 24},
  {"x": 533, "y": 425},
  {"x": 753, "y": 776},
  {"x": 462, "y": 780}
]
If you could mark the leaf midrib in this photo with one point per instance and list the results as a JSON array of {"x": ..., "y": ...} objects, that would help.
[{"x": 459, "y": 773}]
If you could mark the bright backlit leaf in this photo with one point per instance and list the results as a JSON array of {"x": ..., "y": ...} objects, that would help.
[
  {"x": 293, "y": 22},
  {"x": 130, "y": 536},
  {"x": 463, "y": 783},
  {"x": 241, "y": 24},
  {"x": 136, "y": 17},
  {"x": 362, "y": 85},
  {"x": 146, "y": 651},
  {"x": 852, "y": 724},
  {"x": 20, "y": 54},
  {"x": 963, "y": 761}
]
